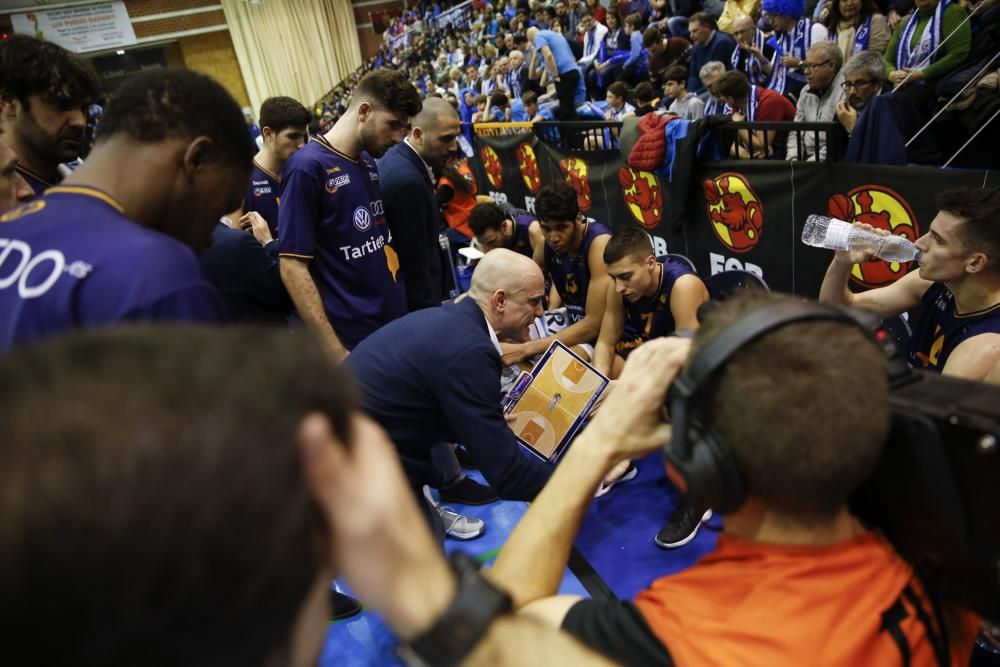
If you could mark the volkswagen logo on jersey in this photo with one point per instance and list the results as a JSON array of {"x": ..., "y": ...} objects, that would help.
[{"x": 362, "y": 219}]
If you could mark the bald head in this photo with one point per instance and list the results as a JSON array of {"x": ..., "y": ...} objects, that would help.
[
  {"x": 531, "y": 34},
  {"x": 501, "y": 269},
  {"x": 743, "y": 23},
  {"x": 509, "y": 287},
  {"x": 434, "y": 111}
]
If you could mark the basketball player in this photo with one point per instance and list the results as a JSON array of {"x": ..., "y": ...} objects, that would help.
[
  {"x": 647, "y": 298},
  {"x": 573, "y": 256},
  {"x": 496, "y": 226},
  {"x": 337, "y": 260},
  {"x": 283, "y": 126}
]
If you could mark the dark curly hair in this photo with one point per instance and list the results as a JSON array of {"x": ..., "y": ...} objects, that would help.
[
  {"x": 161, "y": 104},
  {"x": 279, "y": 113},
  {"x": 557, "y": 202},
  {"x": 391, "y": 91},
  {"x": 30, "y": 66}
]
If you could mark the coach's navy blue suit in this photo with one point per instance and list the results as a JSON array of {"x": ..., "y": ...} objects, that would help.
[
  {"x": 415, "y": 222},
  {"x": 433, "y": 376}
]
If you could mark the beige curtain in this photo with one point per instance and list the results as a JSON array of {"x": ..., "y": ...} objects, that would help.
[{"x": 298, "y": 48}]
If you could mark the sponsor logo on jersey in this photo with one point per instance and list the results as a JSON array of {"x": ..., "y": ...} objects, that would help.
[
  {"x": 643, "y": 196},
  {"x": 881, "y": 208},
  {"x": 362, "y": 219},
  {"x": 337, "y": 182},
  {"x": 33, "y": 274},
  {"x": 258, "y": 192},
  {"x": 333, "y": 170},
  {"x": 734, "y": 211}
]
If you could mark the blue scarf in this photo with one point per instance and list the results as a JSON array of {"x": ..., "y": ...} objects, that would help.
[
  {"x": 714, "y": 107},
  {"x": 925, "y": 52},
  {"x": 752, "y": 103},
  {"x": 795, "y": 44},
  {"x": 752, "y": 69},
  {"x": 861, "y": 36}
]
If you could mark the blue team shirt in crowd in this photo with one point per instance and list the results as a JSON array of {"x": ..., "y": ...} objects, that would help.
[
  {"x": 72, "y": 260},
  {"x": 571, "y": 274},
  {"x": 561, "y": 52},
  {"x": 332, "y": 214},
  {"x": 651, "y": 317},
  {"x": 262, "y": 195}
]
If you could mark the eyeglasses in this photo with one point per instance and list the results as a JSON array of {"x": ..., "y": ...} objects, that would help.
[
  {"x": 805, "y": 67},
  {"x": 860, "y": 83}
]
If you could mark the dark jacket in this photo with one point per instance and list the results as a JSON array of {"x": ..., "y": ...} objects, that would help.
[
  {"x": 415, "y": 222},
  {"x": 433, "y": 376},
  {"x": 719, "y": 47},
  {"x": 248, "y": 277}
]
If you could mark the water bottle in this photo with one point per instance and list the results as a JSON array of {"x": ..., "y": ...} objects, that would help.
[{"x": 823, "y": 232}]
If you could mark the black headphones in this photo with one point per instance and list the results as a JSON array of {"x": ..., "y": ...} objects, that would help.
[{"x": 699, "y": 462}]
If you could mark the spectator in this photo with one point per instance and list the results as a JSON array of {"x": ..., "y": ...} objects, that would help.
[
  {"x": 567, "y": 16},
  {"x": 598, "y": 10},
  {"x": 818, "y": 101},
  {"x": 793, "y": 35},
  {"x": 753, "y": 103},
  {"x": 172, "y": 157},
  {"x": 932, "y": 43},
  {"x": 790, "y": 543},
  {"x": 684, "y": 104},
  {"x": 753, "y": 54},
  {"x": 636, "y": 66},
  {"x": 44, "y": 90},
  {"x": 709, "y": 74},
  {"x": 561, "y": 68},
  {"x": 610, "y": 57},
  {"x": 664, "y": 52},
  {"x": 628, "y": 7},
  {"x": 499, "y": 108},
  {"x": 734, "y": 9},
  {"x": 864, "y": 78},
  {"x": 709, "y": 45},
  {"x": 517, "y": 74},
  {"x": 617, "y": 104},
  {"x": 644, "y": 99},
  {"x": 593, "y": 37},
  {"x": 856, "y": 26}
]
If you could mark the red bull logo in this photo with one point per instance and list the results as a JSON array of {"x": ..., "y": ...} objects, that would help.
[
  {"x": 528, "y": 164},
  {"x": 492, "y": 167},
  {"x": 643, "y": 196},
  {"x": 734, "y": 211},
  {"x": 575, "y": 171},
  {"x": 881, "y": 208}
]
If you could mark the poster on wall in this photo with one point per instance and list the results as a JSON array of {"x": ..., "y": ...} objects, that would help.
[{"x": 79, "y": 29}]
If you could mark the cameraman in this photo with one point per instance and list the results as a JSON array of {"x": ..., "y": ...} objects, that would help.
[{"x": 795, "y": 579}]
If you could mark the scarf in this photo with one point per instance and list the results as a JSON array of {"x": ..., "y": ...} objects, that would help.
[
  {"x": 861, "y": 36},
  {"x": 926, "y": 50},
  {"x": 752, "y": 67},
  {"x": 588, "y": 41},
  {"x": 752, "y": 102},
  {"x": 795, "y": 44},
  {"x": 714, "y": 107}
]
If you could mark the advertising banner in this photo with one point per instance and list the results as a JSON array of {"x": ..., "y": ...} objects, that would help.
[
  {"x": 745, "y": 214},
  {"x": 79, "y": 29}
]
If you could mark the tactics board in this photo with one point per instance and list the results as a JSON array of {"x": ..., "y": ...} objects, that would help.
[{"x": 550, "y": 404}]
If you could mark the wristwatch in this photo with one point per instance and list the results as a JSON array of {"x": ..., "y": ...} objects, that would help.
[{"x": 476, "y": 604}]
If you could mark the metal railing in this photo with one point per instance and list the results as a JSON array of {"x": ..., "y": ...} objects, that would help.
[
  {"x": 810, "y": 138},
  {"x": 583, "y": 135}
]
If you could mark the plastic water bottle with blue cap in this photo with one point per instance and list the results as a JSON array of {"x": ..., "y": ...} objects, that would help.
[{"x": 823, "y": 232}]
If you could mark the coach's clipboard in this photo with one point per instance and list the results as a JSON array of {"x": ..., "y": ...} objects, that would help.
[{"x": 550, "y": 404}]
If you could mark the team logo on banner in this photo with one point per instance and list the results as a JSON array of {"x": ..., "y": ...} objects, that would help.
[
  {"x": 491, "y": 164},
  {"x": 528, "y": 164},
  {"x": 575, "y": 171},
  {"x": 881, "y": 208},
  {"x": 643, "y": 196},
  {"x": 734, "y": 211}
]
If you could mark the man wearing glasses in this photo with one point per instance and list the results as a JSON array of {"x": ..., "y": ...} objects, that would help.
[
  {"x": 818, "y": 101},
  {"x": 863, "y": 79}
]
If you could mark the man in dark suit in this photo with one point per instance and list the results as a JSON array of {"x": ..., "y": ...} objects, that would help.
[
  {"x": 433, "y": 376},
  {"x": 407, "y": 174},
  {"x": 709, "y": 45}
]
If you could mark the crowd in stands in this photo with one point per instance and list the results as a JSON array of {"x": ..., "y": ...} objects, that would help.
[{"x": 922, "y": 53}]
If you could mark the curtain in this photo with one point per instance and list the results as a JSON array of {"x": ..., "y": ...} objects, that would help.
[{"x": 298, "y": 48}]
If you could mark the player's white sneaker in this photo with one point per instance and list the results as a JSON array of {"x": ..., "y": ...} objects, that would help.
[{"x": 459, "y": 526}]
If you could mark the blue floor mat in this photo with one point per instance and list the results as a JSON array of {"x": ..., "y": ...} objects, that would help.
[
  {"x": 617, "y": 534},
  {"x": 366, "y": 640}
]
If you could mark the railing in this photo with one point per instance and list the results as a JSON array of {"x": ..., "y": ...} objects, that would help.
[
  {"x": 581, "y": 135},
  {"x": 829, "y": 135}
]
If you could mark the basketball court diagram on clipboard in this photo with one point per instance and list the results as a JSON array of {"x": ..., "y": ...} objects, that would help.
[{"x": 550, "y": 404}]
